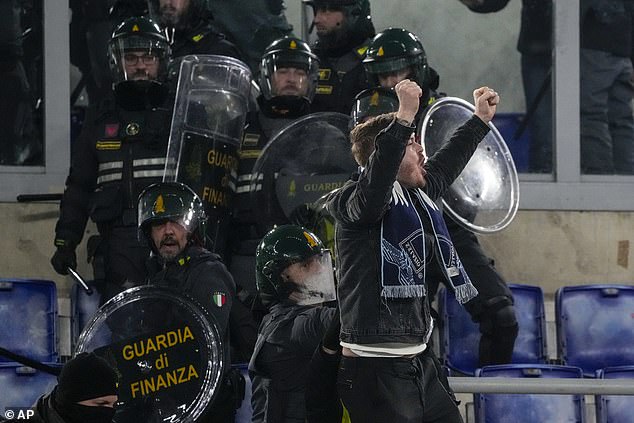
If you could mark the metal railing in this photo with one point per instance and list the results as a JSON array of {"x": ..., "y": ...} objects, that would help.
[{"x": 510, "y": 385}]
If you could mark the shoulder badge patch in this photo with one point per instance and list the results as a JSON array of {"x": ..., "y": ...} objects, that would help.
[
  {"x": 219, "y": 298},
  {"x": 111, "y": 130}
]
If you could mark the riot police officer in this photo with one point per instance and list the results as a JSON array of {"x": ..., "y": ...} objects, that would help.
[
  {"x": 344, "y": 28},
  {"x": 294, "y": 278},
  {"x": 287, "y": 79},
  {"x": 191, "y": 29},
  {"x": 172, "y": 221},
  {"x": 252, "y": 25},
  {"x": 121, "y": 150},
  {"x": 396, "y": 54}
]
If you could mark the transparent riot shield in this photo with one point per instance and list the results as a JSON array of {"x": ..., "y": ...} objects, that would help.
[
  {"x": 306, "y": 160},
  {"x": 212, "y": 101},
  {"x": 167, "y": 350},
  {"x": 485, "y": 197}
]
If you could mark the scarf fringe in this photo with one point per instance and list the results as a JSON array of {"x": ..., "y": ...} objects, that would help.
[
  {"x": 465, "y": 292},
  {"x": 403, "y": 291}
]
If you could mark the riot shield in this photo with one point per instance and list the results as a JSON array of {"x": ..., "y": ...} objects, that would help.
[
  {"x": 306, "y": 160},
  {"x": 212, "y": 100},
  {"x": 485, "y": 197},
  {"x": 167, "y": 350}
]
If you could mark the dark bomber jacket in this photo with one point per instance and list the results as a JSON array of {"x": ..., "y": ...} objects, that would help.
[{"x": 358, "y": 208}]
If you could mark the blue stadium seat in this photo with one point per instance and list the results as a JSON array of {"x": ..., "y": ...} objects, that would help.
[
  {"x": 28, "y": 312},
  {"x": 595, "y": 326},
  {"x": 21, "y": 386},
  {"x": 83, "y": 308},
  {"x": 615, "y": 408},
  {"x": 244, "y": 413},
  {"x": 507, "y": 124},
  {"x": 529, "y": 408},
  {"x": 459, "y": 335}
]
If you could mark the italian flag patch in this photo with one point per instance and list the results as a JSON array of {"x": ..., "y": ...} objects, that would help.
[{"x": 219, "y": 298}]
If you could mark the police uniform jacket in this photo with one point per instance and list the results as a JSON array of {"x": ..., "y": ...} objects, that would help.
[
  {"x": 278, "y": 368},
  {"x": 117, "y": 155},
  {"x": 358, "y": 208},
  {"x": 341, "y": 78},
  {"x": 201, "y": 275},
  {"x": 204, "y": 38}
]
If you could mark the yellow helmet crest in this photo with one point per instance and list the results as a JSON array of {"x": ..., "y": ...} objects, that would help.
[
  {"x": 159, "y": 206},
  {"x": 374, "y": 99},
  {"x": 311, "y": 239}
]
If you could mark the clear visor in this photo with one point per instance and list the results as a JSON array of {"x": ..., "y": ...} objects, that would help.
[
  {"x": 139, "y": 58},
  {"x": 164, "y": 207},
  {"x": 372, "y": 105},
  {"x": 313, "y": 280},
  {"x": 186, "y": 222},
  {"x": 289, "y": 75},
  {"x": 388, "y": 65}
]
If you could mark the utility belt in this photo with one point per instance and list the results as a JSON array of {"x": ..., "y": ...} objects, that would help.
[{"x": 127, "y": 218}]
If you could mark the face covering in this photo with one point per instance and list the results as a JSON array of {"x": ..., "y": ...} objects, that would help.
[{"x": 76, "y": 413}]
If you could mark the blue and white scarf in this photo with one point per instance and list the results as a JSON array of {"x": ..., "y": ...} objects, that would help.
[{"x": 403, "y": 249}]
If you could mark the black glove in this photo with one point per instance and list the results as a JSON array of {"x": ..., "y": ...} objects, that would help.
[{"x": 64, "y": 258}]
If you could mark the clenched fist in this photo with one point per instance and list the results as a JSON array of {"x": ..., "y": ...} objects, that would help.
[
  {"x": 486, "y": 101},
  {"x": 408, "y": 93}
]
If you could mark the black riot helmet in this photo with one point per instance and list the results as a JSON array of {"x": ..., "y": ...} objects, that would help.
[
  {"x": 373, "y": 102},
  {"x": 393, "y": 50},
  {"x": 288, "y": 54},
  {"x": 171, "y": 201},
  {"x": 357, "y": 25},
  {"x": 139, "y": 54},
  {"x": 282, "y": 247}
]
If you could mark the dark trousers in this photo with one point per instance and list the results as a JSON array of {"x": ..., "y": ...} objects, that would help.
[
  {"x": 607, "y": 125},
  {"x": 119, "y": 261},
  {"x": 403, "y": 390},
  {"x": 535, "y": 69}
]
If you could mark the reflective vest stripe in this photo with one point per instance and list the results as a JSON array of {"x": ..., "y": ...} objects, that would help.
[
  {"x": 247, "y": 177},
  {"x": 148, "y": 173},
  {"x": 149, "y": 162},
  {"x": 110, "y": 165},
  {"x": 247, "y": 188},
  {"x": 109, "y": 178}
]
